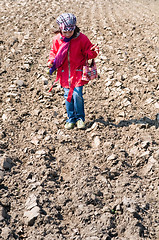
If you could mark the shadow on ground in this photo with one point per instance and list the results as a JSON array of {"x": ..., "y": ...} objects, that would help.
[{"x": 126, "y": 123}]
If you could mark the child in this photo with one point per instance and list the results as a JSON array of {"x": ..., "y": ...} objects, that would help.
[{"x": 69, "y": 51}]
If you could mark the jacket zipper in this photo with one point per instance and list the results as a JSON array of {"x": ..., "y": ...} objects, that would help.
[{"x": 69, "y": 70}]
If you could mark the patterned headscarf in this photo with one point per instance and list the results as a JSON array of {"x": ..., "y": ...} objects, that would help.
[{"x": 67, "y": 21}]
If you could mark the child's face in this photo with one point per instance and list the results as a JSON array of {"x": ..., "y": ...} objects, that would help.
[{"x": 67, "y": 34}]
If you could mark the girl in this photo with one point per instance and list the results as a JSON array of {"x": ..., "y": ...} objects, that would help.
[{"x": 69, "y": 51}]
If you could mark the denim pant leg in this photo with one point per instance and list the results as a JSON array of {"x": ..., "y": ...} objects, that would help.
[
  {"x": 75, "y": 109},
  {"x": 79, "y": 103},
  {"x": 69, "y": 107}
]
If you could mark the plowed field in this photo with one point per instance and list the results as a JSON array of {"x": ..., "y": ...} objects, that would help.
[{"x": 101, "y": 183}]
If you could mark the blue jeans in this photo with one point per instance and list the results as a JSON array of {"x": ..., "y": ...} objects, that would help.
[{"x": 75, "y": 108}]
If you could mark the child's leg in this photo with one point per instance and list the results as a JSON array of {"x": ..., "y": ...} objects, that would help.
[
  {"x": 69, "y": 107},
  {"x": 79, "y": 103}
]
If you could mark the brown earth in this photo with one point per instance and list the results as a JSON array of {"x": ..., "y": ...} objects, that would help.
[{"x": 96, "y": 184}]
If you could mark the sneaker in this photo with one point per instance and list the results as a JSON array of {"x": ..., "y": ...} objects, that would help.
[
  {"x": 69, "y": 125},
  {"x": 80, "y": 124}
]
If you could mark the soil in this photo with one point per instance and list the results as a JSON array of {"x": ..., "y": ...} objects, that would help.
[{"x": 100, "y": 183}]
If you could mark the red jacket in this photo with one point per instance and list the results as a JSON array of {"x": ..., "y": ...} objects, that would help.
[{"x": 71, "y": 69}]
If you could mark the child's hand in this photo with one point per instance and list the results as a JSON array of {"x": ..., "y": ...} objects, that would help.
[
  {"x": 95, "y": 48},
  {"x": 49, "y": 64}
]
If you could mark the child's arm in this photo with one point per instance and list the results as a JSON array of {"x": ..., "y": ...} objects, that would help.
[
  {"x": 52, "y": 54},
  {"x": 90, "y": 50}
]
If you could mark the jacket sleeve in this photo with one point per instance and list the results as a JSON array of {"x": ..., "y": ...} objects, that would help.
[
  {"x": 87, "y": 45},
  {"x": 54, "y": 50}
]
